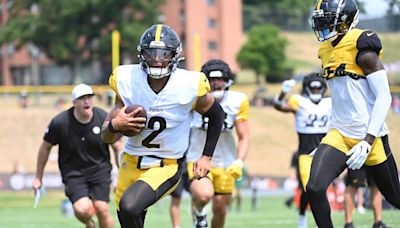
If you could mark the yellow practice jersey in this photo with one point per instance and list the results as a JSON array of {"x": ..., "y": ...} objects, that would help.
[
  {"x": 169, "y": 112},
  {"x": 236, "y": 108},
  {"x": 352, "y": 97}
]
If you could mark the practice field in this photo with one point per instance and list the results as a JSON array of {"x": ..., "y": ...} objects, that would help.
[{"x": 16, "y": 210}]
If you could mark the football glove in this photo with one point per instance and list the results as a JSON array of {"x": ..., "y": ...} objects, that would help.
[
  {"x": 287, "y": 85},
  {"x": 358, "y": 154},
  {"x": 235, "y": 170}
]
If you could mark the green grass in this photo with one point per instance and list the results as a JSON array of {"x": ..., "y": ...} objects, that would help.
[{"x": 16, "y": 211}]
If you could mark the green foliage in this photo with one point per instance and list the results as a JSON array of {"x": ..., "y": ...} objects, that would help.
[
  {"x": 264, "y": 52},
  {"x": 17, "y": 211},
  {"x": 286, "y": 14},
  {"x": 393, "y": 14},
  {"x": 73, "y": 30}
]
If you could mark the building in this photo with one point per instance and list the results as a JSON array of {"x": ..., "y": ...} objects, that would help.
[{"x": 208, "y": 29}]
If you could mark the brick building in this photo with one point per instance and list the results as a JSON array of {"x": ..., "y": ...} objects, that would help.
[{"x": 208, "y": 29}]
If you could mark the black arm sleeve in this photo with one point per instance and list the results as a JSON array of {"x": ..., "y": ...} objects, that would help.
[{"x": 215, "y": 121}]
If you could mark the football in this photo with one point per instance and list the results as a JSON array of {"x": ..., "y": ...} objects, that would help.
[{"x": 142, "y": 113}]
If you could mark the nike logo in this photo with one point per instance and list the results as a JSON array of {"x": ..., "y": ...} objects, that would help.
[{"x": 370, "y": 33}]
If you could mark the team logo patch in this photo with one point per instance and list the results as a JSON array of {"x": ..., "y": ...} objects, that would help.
[{"x": 96, "y": 130}]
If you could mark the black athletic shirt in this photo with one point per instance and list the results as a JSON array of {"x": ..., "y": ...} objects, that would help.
[{"x": 81, "y": 150}]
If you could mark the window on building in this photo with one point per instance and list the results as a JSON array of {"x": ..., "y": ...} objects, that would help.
[
  {"x": 182, "y": 17},
  {"x": 212, "y": 45},
  {"x": 211, "y": 2},
  {"x": 183, "y": 39},
  {"x": 211, "y": 23}
]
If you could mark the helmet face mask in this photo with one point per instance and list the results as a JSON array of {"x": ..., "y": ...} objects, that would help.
[
  {"x": 314, "y": 87},
  {"x": 159, "y": 51},
  {"x": 332, "y": 18},
  {"x": 220, "y": 76}
]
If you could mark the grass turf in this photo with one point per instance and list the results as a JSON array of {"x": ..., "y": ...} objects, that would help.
[{"x": 16, "y": 210}]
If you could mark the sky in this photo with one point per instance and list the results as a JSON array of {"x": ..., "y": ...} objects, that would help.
[{"x": 374, "y": 8}]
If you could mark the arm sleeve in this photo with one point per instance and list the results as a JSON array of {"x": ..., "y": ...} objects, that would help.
[
  {"x": 215, "y": 121},
  {"x": 379, "y": 84}
]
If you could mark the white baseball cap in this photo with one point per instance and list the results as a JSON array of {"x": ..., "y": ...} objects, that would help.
[{"x": 81, "y": 90}]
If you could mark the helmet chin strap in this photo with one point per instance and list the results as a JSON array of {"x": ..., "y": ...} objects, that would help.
[
  {"x": 157, "y": 73},
  {"x": 316, "y": 98},
  {"x": 219, "y": 94}
]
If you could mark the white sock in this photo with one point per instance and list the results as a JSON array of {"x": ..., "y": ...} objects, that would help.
[{"x": 200, "y": 213}]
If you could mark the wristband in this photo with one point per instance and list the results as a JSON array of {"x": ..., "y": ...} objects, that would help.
[
  {"x": 239, "y": 163},
  {"x": 277, "y": 101},
  {"x": 111, "y": 127}
]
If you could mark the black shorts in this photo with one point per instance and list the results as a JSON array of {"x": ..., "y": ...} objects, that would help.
[
  {"x": 359, "y": 178},
  {"x": 184, "y": 184},
  {"x": 96, "y": 187}
]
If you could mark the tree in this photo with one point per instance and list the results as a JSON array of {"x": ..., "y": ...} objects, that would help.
[
  {"x": 74, "y": 31},
  {"x": 393, "y": 15},
  {"x": 286, "y": 14},
  {"x": 264, "y": 52}
]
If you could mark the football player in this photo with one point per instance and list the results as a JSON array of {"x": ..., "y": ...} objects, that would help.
[
  {"x": 312, "y": 115},
  {"x": 361, "y": 99},
  {"x": 151, "y": 164},
  {"x": 227, "y": 162},
  {"x": 355, "y": 181}
]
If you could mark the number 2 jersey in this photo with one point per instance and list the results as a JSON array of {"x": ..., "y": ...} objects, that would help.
[
  {"x": 352, "y": 97},
  {"x": 236, "y": 108},
  {"x": 312, "y": 121},
  {"x": 169, "y": 112}
]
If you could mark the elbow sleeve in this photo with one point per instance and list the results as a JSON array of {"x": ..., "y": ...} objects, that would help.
[{"x": 215, "y": 121}]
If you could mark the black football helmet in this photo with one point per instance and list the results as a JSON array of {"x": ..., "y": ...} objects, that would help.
[
  {"x": 159, "y": 51},
  {"x": 311, "y": 82},
  {"x": 333, "y": 17},
  {"x": 216, "y": 68}
]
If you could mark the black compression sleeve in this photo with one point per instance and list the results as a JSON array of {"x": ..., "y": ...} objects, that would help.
[{"x": 215, "y": 120}]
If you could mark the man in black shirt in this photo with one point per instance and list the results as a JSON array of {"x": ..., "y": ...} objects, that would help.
[{"x": 84, "y": 159}]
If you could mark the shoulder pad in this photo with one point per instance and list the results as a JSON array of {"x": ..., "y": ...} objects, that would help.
[{"x": 369, "y": 41}]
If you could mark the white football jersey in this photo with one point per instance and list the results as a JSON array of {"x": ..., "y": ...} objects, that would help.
[
  {"x": 236, "y": 108},
  {"x": 169, "y": 113},
  {"x": 352, "y": 107},
  {"x": 311, "y": 118}
]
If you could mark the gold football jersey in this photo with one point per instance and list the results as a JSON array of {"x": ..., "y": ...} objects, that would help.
[
  {"x": 341, "y": 60},
  {"x": 352, "y": 97}
]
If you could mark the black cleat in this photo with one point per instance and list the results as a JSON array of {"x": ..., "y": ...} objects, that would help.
[
  {"x": 200, "y": 221},
  {"x": 379, "y": 224},
  {"x": 349, "y": 225}
]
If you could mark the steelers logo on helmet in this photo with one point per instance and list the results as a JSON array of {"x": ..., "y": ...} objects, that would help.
[
  {"x": 159, "y": 51},
  {"x": 219, "y": 75},
  {"x": 332, "y": 18},
  {"x": 314, "y": 86}
]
